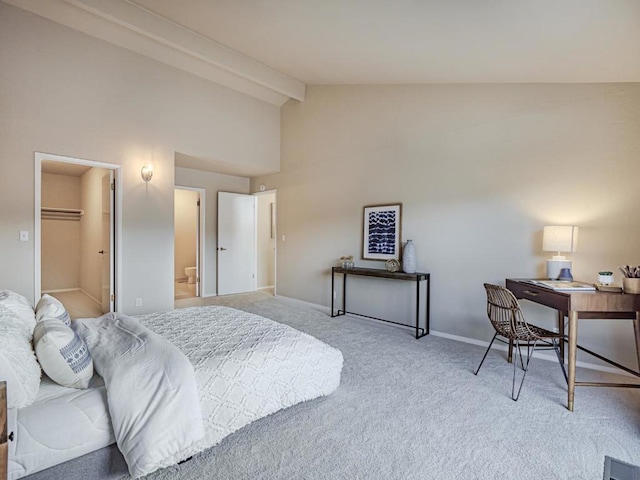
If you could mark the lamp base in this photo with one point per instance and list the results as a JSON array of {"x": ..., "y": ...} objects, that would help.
[{"x": 554, "y": 267}]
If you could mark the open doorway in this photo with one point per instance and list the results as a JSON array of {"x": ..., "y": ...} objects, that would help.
[
  {"x": 75, "y": 234},
  {"x": 188, "y": 239},
  {"x": 266, "y": 241}
]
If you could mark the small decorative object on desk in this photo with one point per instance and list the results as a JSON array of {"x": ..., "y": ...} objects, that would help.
[
  {"x": 392, "y": 265},
  {"x": 631, "y": 280},
  {"x": 409, "y": 258},
  {"x": 605, "y": 278},
  {"x": 347, "y": 262}
]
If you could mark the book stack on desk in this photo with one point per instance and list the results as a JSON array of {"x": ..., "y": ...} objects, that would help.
[{"x": 565, "y": 286}]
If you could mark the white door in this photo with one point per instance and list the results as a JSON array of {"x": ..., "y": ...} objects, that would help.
[
  {"x": 236, "y": 243},
  {"x": 107, "y": 252},
  {"x": 198, "y": 233}
]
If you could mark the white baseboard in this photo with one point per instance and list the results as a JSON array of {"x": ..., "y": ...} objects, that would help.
[
  {"x": 543, "y": 356},
  {"x": 314, "y": 306},
  {"x": 61, "y": 290},
  {"x": 472, "y": 341},
  {"x": 268, "y": 287},
  {"x": 91, "y": 296}
]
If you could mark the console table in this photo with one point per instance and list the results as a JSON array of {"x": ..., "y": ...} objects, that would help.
[{"x": 418, "y": 278}]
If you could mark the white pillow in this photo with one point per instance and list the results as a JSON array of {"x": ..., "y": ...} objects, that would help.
[
  {"x": 21, "y": 307},
  {"x": 51, "y": 307},
  {"x": 18, "y": 364},
  {"x": 62, "y": 354}
]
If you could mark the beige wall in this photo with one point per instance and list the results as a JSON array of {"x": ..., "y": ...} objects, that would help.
[
  {"x": 66, "y": 93},
  {"x": 212, "y": 183},
  {"x": 185, "y": 230},
  {"x": 479, "y": 169},
  {"x": 265, "y": 244},
  {"x": 60, "y": 246},
  {"x": 91, "y": 226}
]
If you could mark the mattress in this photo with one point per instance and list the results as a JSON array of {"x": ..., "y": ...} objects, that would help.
[
  {"x": 246, "y": 366},
  {"x": 62, "y": 424}
]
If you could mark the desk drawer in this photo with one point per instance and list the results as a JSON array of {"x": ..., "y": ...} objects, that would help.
[{"x": 543, "y": 296}]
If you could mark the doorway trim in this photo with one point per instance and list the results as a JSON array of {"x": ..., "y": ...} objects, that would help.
[
  {"x": 201, "y": 253},
  {"x": 275, "y": 236},
  {"x": 39, "y": 157}
]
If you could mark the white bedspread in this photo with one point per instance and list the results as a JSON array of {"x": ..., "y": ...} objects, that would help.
[
  {"x": 246, "y": 366},
  {"x": 151, "y": 391}
]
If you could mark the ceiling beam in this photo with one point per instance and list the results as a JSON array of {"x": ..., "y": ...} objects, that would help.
[{"x": 132, "y": 27}]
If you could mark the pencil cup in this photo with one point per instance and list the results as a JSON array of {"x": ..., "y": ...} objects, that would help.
[{"x": 631, "y": 285}]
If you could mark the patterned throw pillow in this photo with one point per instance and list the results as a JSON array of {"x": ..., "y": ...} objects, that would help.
[
  {"x": 62, "y": 354},
  {"x": 51, "y": 307}
]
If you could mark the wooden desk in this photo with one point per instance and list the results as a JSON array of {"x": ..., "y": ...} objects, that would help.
[
  {"x": 584, "y": 305},
  {"x": 374, "y": 272}
]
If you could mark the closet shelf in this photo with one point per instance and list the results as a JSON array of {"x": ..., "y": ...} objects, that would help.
[{"x": 52, "y": 213}]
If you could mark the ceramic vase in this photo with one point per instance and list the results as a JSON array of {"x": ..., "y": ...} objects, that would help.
[
  {"x": 565, "y": 274},
  {"x": 409, "y": 258}
]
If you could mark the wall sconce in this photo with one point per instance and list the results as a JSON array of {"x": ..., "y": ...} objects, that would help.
[
  {"x": 147, "y": 172},
  {"x": 559, "y": 238}
]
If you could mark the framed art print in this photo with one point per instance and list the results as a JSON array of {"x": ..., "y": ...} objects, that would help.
[{"x": 381, "y": 237}]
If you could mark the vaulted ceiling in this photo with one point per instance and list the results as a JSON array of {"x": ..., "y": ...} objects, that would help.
[{"x": 272, "y": 49}]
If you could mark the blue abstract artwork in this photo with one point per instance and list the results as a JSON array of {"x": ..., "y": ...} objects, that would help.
[{"x": 382, "y": 232}]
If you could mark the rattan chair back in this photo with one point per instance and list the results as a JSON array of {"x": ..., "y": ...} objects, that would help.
[{"x": 506, "y": 316}]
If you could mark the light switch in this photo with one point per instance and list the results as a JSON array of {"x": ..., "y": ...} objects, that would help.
[{"x": 24, "y": 235}]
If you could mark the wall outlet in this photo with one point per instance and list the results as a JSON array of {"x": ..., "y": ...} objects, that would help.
[
  {"x": 24, "y": 235},
  {"x": 138, "y": 302}
]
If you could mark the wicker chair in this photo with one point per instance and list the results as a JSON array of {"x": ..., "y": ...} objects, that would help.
[{"x": 508, "y": 320}]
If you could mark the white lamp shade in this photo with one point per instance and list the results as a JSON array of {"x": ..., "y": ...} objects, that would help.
[{"x": 560, "y": 238}]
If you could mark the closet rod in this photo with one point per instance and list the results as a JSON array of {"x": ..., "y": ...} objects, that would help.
[{"x": 61, "y": 213}]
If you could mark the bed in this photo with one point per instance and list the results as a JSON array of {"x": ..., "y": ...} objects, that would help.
[{"x": 245, "y": 366}]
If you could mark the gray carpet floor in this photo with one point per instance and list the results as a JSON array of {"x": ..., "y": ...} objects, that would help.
[{"x": 411, "y": 409}]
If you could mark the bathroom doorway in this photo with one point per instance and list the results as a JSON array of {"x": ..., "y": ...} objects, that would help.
[
  {"x": 75, "y": 233},
  {"x": 188, "y": 241}
]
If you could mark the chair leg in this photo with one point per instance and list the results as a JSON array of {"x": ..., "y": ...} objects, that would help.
[
  {"x": 485, "y": 353},
  {"x": 521, "y": 362},
  {"x": 530, "y": 351},
  {"x": 556, "y": 347}
]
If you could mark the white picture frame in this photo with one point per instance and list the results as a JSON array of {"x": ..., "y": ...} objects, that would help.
[{"x": 382, "y": 232}]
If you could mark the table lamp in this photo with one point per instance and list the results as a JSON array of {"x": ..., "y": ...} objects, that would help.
[{"x": 559, "y": 238}]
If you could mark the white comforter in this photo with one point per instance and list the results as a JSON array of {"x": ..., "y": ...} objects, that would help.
[
  {"x": 246, "y": 366},
  {"x": 151, "y": 391}
]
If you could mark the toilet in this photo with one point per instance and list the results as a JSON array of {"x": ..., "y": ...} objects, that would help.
[{"x": 190, "y": 272}]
